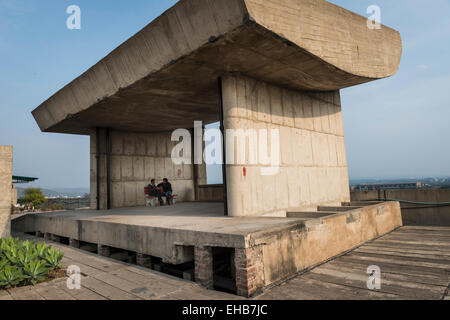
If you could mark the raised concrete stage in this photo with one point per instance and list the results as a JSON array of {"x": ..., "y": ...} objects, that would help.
[{"x": 266, "y": 249}]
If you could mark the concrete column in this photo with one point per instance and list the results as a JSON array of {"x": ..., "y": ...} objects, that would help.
[
  {"x": 204, "y": 266},
  {"x": 55, "y": 238},
  {"x": 47, "y": 236},
  {"x": 144, "y": 260},
  {"x": 5, "y": 190},
  {"x": 74, "y": 243},
  {"x": 249, "y": 271},
  {"x": 103, "y": 251}
]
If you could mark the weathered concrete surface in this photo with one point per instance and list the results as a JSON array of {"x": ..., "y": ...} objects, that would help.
[
  {"x": 320, "y": 239},
  {"x": 415, "y": 214},
  {"x": 313, "y": 164},
  {"x": 160, "y": 232},
  {"x": 413, "y": 260},
  {"x": 6, "y": 158},
  {"x": 136, "y": 158},
  {"x": 173, "y": 63},
  {"x": 283, "y": 246},
  {"x": 14, "y": 196}
]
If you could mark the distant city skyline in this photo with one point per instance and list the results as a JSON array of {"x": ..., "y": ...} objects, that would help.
[{"x": 395, "y": 128}]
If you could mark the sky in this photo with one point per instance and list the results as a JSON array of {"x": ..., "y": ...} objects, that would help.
[{"x": 395, "y": 128}]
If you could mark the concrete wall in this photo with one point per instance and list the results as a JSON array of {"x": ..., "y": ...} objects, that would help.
[
  {"x": 136, "y": 158},
  {"x": 210, "y": 192},
  {"x": 324, "y": 238},
  {"x": 14, "y": 196},
  {"x": 6, "y": 154},
  {"x": 415, "y": 214},
  {"x": 313, "y": 157}
]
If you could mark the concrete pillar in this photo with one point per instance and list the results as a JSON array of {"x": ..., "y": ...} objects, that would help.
[
  {"x": 47, "y": 236},
  {"x": 103, "y": 251},
  {"x": 204, "y": 266},
  {"x": 39, "y": 234},
  {"x": 74, "y": 243},
  {"x": 249, "y": 271},
  {"x": 55, "y": 238},
  {"x": 144, "y": 260},
  {"x": 5, "y": 190}
]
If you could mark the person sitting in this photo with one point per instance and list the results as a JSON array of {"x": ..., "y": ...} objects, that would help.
[
  {"x": 166, "y": 190},
  {"x": 155, "y": 191}
]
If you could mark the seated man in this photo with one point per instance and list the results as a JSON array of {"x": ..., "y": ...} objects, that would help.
[
  {"x": 166, "y": 188},
  {"x": 154, "y": 191}
]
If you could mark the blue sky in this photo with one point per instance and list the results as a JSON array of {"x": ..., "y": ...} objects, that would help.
[{"x": 397, "y": 127}]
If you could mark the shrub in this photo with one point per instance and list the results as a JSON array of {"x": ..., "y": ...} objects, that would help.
[
  {"x": 33, "y": 195},
  {"x": 25, "y": 262}
]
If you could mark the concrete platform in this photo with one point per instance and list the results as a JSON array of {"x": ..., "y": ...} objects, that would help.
[
  {"x": 414, "y": 264},
  {"x": 263, "y": 250},
  {"x": 156, "y": 230}
]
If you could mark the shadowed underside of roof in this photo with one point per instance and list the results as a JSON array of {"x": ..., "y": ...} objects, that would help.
[{"x": 165, "y": 76}]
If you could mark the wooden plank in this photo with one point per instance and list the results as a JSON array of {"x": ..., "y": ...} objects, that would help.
[
  {"x": 25, "y": 293},
  {"x": 358, "y": 282},
  {"x": 432, "y": 275},
  {"x": 159, "y": 286},
  {"x": 406, "y": 254},
  {"x": 427, "y": 228},
  {"x": 79, "y": 294},
  {"x": 397, "y": 267},
  {"x": 390, "y": 272},
  {"x": 406, "y": 250},
  {"x": 432, "y": 244},
  {"x": 140, "y": 290},
  {"x": 395, "y": 284},
  {"x": 49, "y": 291},
  {"x": 316, "y": 288},
  {"x": 430, "y": 263},
  {"x": 106, "y": 290}
]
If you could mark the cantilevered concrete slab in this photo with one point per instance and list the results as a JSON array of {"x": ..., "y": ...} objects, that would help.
[{"x": 173, "y": 63}]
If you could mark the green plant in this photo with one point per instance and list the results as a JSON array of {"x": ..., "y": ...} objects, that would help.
[
  {"x": 53, "y": 258},
  {"x": 33, "y": 195},
  {"x": 35, "y": 271},
  {"x": 26, "y": 262},
  {"x": 41, "y": 250},
  {"x": 10, "y": 276}
]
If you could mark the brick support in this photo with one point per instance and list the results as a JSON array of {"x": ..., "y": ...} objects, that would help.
[
  {"x": 103, "y": 251},
  {"x": 74, "y": 243},
  {"x": 144, "y": 260},
  {"x": 204, "y": 266},
  {"x": 249, "y": 271}
]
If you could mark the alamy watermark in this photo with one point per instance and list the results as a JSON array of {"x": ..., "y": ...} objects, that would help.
[
  {"x": 73, "y": 22},
  {"x": 374, "y": 280},
  {"x": 374, "y": 20},
  {"x": 243, "y": 147},
  {"x": 74, "y": 278}
]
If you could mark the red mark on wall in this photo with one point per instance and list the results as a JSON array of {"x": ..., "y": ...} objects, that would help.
[
  {"x": 245, "y": 172},
  {"x": 179, "y": 173}
]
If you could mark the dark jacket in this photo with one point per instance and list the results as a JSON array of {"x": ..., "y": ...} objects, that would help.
[{"x": 167, "y": 187}]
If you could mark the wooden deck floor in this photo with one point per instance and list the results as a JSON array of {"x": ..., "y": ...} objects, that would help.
[{"x": 414, "y": 263}]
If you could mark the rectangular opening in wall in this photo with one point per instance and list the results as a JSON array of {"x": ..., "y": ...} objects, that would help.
[{"x": 224, "y": 272}]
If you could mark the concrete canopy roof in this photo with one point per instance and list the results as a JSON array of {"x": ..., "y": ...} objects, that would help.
[{"x": 165, "y": 76}]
